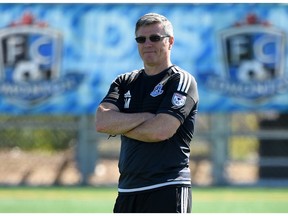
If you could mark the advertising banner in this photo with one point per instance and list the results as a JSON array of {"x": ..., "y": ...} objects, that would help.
[{"x": 61, "y": 58}]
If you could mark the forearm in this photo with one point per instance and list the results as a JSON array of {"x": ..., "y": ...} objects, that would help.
[
  {"x": 156, "y": 129},
  {"x": 112, "y": 121},
  {"x": 143, "y": 132}
]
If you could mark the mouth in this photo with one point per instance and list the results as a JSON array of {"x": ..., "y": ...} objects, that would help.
[{"x": 148, "y": 52}]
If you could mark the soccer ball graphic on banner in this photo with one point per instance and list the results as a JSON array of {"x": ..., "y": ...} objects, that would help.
[
  {"x": 27, "y": 71},
  {"x": 251, "y": 70}
]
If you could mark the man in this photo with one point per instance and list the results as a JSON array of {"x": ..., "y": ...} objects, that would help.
[{"x": 153, "y": 109}]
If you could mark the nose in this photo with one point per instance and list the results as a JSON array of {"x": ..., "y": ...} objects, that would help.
[{"x": 148, "y": 43}]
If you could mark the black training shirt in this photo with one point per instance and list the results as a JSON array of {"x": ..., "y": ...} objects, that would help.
[{"x": 143, "y": 165}]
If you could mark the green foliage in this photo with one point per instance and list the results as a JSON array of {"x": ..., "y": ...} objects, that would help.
[
  {"x": 241, "y": 147},
  {"x": 29, "y": 139},
  {"x": 30, "y": 133}
]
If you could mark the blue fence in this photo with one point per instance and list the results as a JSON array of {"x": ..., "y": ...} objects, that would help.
[{"x": 61, "y": 58}]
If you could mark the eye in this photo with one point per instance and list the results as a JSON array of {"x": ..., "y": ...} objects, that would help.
[
  {"x": 140, "y": 39},
  {"x": 155, "y": 38}
]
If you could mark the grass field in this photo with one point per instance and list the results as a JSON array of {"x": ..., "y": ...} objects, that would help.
[{"x": 101, "y": 200}]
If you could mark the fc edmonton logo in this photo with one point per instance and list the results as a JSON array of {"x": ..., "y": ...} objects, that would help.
[
  {"x": 178, "y": 100},
  {"x": 157, "y": 90},
  {"x": 253, "y": 61},
  {"x": 30, "y": 62}
]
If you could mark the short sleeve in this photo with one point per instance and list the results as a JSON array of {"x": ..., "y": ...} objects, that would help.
[
  {"x": 181, "y": 96},
  {"x": 114, "y": 93}
]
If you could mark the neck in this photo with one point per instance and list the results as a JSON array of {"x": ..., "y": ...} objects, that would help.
[{"x": 156, "y": 69}]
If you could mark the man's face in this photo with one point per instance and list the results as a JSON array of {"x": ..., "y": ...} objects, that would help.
[{"x": 154, "y": 53}]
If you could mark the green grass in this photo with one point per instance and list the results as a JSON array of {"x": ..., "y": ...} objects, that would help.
[
  {"x": 57, "y": 199},
  {"x": 240, "y": 200},
  {"x": 101, "y": 200}
]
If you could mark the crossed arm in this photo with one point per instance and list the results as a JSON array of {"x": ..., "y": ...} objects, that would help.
[{"x": 144, "y": 126}]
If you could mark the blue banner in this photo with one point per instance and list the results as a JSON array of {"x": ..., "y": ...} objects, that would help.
[{"x": 61, "y": 58}]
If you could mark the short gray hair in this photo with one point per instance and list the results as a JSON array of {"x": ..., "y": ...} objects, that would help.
[{"x": 154, "y": 18}]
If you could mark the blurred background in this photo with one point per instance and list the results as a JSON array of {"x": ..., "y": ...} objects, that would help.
[{"x": 58, "y": 60}]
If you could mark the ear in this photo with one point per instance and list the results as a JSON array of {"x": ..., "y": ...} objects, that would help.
[{"x": 171, "y": 42}]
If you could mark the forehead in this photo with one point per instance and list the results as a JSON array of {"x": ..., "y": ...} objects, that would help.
[{"x": 150, "y": 29}]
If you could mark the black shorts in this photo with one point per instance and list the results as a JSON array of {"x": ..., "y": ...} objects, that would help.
[{"x": 172, "y": 199}]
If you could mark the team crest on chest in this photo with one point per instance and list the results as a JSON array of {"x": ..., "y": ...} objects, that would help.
[
  {"x": 178, "y": 100},
  {"x": 157, "y": 90}
]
